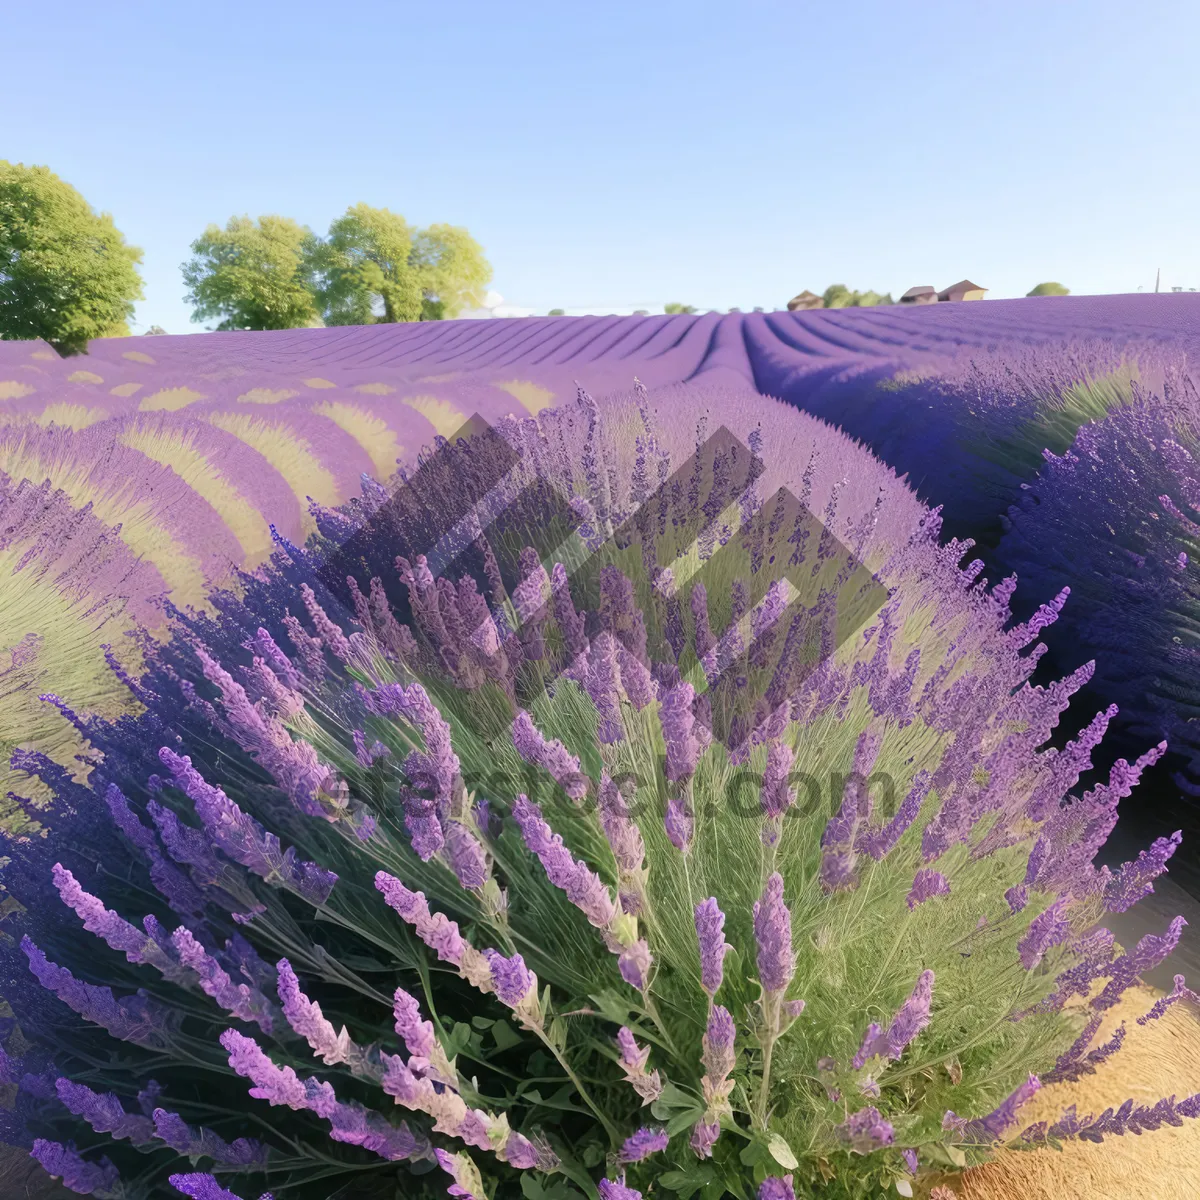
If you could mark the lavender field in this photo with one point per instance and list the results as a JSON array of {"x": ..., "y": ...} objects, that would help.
[{"x": 1019, "y": 480}]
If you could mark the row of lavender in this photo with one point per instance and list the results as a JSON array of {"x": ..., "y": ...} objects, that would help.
[{"x": 548, "y": 826}]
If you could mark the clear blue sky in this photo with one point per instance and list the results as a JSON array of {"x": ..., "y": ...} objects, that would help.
[{"x": 626, "y": 154}]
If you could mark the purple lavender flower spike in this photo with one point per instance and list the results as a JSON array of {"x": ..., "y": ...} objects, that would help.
[
  {"x": 466, "y": 1182},
  {"x": 678, "y": 720},
  {"x": 1017, "y": 897},
  {"x": 1145, "y": 956},
  {"x": 642, "y": 1144},
  {"x": 773, "y": 933},
  {"x": 634, "y": 1058},
  {"x": 623, "y": 836},
  {"x": 551, "y": 756},
  {"x": 610, "y": 1189},
  {"x": 307, "y": 1020},
  {"x": 927, "y": 883},
  {"x": 424, "y": 827},
  {"x": 910, "y": 1160},
  {"x": 912, "y": 1017},
  {"x": 512, "y": 980},
  {"x": 1180, "y": 992},
  {"x": 679, "y": 823},
  {"x": 201, "y": 1186},
  {"x": 1135, "y": 880},
  {"x": 104, "y": 1113},
  {"x": 710, "y": 932},
  {"x": 992, "y": 1127},
  {"x": 438, "y": 932},
  {"x": 418, "y": 1035},
  {"x": 242, "y": 1000},
  {"x": 583, "y": 887},
  {"x": 601, "y": 686},
  {"x": 134, "y": 943},
  {"x": 1047, "y": 930},
  {"x": 776, "y": 1187},
  {"x": 634, "y": 963},
  {"x": 243, "y": 839},
  {"x": 776, "y": 796},
  {"x": 184, "y": 1139},
  {"x": 330, "y": 633},
  {"x": 719, "y": 1041},
  {"x": 704, "y": 1138},
  {"x": 137, "y": 1018},
  {"x": 866, "y": 1131},
  {"x": 77, "y": 1174},
  {"x": 466, "y": 856}
]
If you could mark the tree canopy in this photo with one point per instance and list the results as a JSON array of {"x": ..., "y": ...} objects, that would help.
[
  {"x": 675, "y": 307},
  {"x": 1049, "y": 289},
  {"x": 67, "y": 274},
  {"x": 253, "y": 274},
  {"x": 375, "y": 267},
  {"x": 838, "y": 295}
]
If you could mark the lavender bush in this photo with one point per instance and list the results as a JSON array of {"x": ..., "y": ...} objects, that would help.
[
  {"x": 638, "y": 831},
  {"x": 1115, "y": 519}
]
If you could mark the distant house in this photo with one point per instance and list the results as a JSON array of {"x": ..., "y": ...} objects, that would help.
[
  {"x": 963, "y": 290},
  {"x": 805, "y": 300},
  {"x": 920, "y": 295}
]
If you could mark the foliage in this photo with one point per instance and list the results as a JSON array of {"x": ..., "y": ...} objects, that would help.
[
  {"x": 1049, "y": 289},
  {"x": 252, "y": 274},
  {"x": 653, "y": 951},
  {"x": 675, "y": 308},
  {"x": 375, "y": 267},
  {"x": 838, "y": 295},
  {"x": 557, "y": 312},
  {"x": 67, "y": 274}
]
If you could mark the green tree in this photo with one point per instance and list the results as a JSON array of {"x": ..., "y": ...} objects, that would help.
[
  {"x": 838, "y": 295},
  {"x": 253, "y": 274},
  {"x": 675, "y": 307},
  {"x": 557, "y": 312},
  {"x": 1049, "y": 289},
  {"x": 66, "y": 273},
  {"x": 375, "y": 267}
]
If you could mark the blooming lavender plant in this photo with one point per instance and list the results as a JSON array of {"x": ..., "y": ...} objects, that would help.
[{"x": 650, "y": 973}]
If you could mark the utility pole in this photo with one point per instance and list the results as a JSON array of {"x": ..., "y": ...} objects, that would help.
[{"x": 1157, "y": 278}]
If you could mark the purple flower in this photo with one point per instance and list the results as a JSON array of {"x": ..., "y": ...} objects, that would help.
[
  {"x": 551, "y": 756},
  {"x": 437, "y": 932},
  {"x": 677, "y": 719},
  {"x": 240, "y": 999},
  {"x": 634, "y": 963},
  {"x": 992, "y": 1127},
  {"x": 710, "y": 932},
  {"x": 583, "y": 887},
  {"x": 104, "y": 1113},
  {"x": 927, "y": 883},
  {"x": 1145, "y": 956},
  {"x": 647, "y": 1084},
  {"x": 776, "y": 796},
  {"x": 776, "y": 1188},
  {"x": 465, "y": 1175},
  {"x": 1135, "y": 880},
  {"x": 704, "y": 1137},
  {"x": 1180, "y": 992},
  {"x": 910, "y": 1160},
  {"x": 77, "y": 1174},
  {"x": 632, "y": 1055},
  {"x": 912, "y": 1017},
  {"x": 201, "y": 1186},
  {"x": 307, "y": 1021},
  {"x": 243, "y": 839},
  {"x": 466, "y": 856},
  {"x": 138, "y": 1018},
  {"x": 1017, "y": 897},
  {"x": 865, "y": 1131},
  {"x": 773, "y": 933},
  {"x": 512, "y": 980},
  {"x": 195, "y": 1143},
  {"x": 1048, "y": 929},
  {"x": 680, "y": 824},
  {"x": 719, "y": 1053},
  {"x": 624, "y": 837},
  {"x": 611, "y": 1190},
  {"x": 417, "y": 1035},
  {"x": 642, "y": 1144}
]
